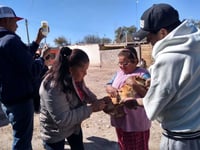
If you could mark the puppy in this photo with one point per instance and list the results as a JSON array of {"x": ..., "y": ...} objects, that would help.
[{"x": 115, "y": 106}]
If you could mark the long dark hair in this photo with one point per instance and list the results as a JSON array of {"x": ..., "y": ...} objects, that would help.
[
  {"x": 78, "y": 58},
  {"x": 60, "y": 70}
]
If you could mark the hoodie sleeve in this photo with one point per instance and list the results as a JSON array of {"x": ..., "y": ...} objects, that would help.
[{"x": 165, "y": 75}]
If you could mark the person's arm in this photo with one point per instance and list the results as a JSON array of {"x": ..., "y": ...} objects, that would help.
[
  {"x": 111, "y": 80},
  {"x": 99, "y": 104},
  {"x": 109, "y": 89},
  {"x": 39, "y": 67},
  {"x": 35, "y": 44},
  {"x": 21, "y": 54},
  {"x": 39, "y": 36},
  {"x": 164, "y": 86},
  {"x": 60, "y": 109}
]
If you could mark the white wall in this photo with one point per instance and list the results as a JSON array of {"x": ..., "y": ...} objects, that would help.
[
  {"x": 109, "y": 58},
  {"x": 92, "y": 51},
  {"x": 101, "y": 58}
]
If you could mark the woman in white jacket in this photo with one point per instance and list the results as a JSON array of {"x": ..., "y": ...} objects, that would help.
[
  {"x": 66, "y": 101},
  {"x": 173, "y": 97}
]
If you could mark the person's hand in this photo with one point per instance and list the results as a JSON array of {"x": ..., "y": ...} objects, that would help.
[
  {"x": 113, "y": 92},
  {"x": 130, "y": 103},
  {"x": 98, "y": 105},
  {"x": 109, "y": 108},
  {"x": 40, "y": 36}
]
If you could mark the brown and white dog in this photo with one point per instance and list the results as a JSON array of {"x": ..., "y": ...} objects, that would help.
[{"x": 115, "y": 106}]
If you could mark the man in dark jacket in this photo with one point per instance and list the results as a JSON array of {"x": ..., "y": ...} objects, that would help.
[
  {"x": 39, "y": 70},
  {"x": 16, "y": 78}
]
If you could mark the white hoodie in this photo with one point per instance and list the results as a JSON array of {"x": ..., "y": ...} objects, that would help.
[{"x": 174, "y": 95}]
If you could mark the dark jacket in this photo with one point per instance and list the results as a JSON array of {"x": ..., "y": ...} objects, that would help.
[
  {"x": 39, "y": 70},
  {"x": 16, "y": 68}
]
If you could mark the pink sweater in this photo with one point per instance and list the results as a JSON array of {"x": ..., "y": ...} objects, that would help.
[{"x": 135, "y": 119}]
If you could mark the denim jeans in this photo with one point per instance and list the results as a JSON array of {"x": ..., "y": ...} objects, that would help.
[{"x": 21, "y": 118}]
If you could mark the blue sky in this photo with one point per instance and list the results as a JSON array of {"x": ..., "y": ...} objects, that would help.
[{"x": 75, "y": 19}]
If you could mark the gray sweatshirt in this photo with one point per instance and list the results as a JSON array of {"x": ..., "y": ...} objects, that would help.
[
  {"x": 62, "y": 113},
  {"x": 174, "y": 95}
]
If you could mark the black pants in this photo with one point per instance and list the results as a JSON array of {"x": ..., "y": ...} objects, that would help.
[{"x": 76, "y": 141}]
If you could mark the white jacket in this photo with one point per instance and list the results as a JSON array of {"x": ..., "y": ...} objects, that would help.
[{"x": 174, "y": 95}]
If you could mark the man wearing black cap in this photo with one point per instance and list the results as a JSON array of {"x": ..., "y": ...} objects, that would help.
[
  {"x": 173, "y": 98},
  {"x": 16, "y": 78}
]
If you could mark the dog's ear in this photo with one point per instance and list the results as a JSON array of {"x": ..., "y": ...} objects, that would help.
[{"x": 130, "y": 80}]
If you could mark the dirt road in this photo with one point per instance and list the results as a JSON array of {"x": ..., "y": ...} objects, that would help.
[{"x": 97, "y": 132}]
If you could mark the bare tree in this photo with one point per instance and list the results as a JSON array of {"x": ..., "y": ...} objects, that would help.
[
  {"x": 123, "y": 34},
  {"x": 91, "y": 39},
  {"x": 61, "y": 41}
]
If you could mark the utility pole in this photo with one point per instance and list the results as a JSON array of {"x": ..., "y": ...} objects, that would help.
[
  {"x": 26, "y": 23},
  {"x": 136, "y": 2},
  {"x": 126, "y": 38}
]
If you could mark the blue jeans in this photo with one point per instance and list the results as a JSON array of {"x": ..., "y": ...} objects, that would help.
[{"x": 21, "y": 118}]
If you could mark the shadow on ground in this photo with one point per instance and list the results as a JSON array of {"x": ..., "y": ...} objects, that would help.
[{"x": 98, "y": 143}]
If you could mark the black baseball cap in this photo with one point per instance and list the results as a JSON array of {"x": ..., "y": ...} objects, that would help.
[{"x": 156, "y": 17}]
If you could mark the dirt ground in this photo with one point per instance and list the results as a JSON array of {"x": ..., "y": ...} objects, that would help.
[{"x": 97, "y": 131}]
